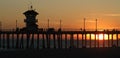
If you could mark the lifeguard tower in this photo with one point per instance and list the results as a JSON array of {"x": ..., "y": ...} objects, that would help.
[{"x": 30, "y": 20}]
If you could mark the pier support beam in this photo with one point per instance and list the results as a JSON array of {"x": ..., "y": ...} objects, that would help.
[
  {"x": 82, "y": 40},
  {"x": 61, "y": 40},
  {"x": 21, "y": 41},
  {"x": 112, "y": 41},
  {"x": 3, "y": 40},
  {"x": 71, "y": 41},
  {"x": 48, "y": 40},
  {"x": 13, "y": 40},
  {"x": 17, "y": 41},
  {"x": 43, "y": 41},
  {"x": 32, "y": 42},
  {"x": 28, "y": 38},
  {"x": 65, "y": 40},
  {"x": 117, "y": 40},
  {"x": 103, "y": 40},
  {"x": 90, "y": 40},
  {"x": 38, "y": 40},
  {"x": 98, "y": 40},
  {"x": 58, "y": 38},
  {"x": 95, "y": 41},
  {"x": 54, "y": 40},
  {"x": 77, "y": 40},
  {"x": 108, "y": 40},
  {"x": 8, "y": 41},
  {"x": 0, "y": 40},
  {"x": 85, "y": 40}
]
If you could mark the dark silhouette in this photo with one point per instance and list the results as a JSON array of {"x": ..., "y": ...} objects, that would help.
[
  {"x": 30, "y": 20},
  {"x": 44, "y": 37},
  {"x": 31, "y": 40}
]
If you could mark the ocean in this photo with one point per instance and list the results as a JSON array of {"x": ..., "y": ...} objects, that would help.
[{"x": 98, "y": 43}]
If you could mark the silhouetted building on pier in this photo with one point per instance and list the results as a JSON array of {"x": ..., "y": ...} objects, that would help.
[{"x": 30, "y": 20}]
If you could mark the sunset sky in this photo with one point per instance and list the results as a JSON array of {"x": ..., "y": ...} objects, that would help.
[{"x": 71, "y": 12}]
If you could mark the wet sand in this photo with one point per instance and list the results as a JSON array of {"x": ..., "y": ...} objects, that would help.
[{"x": 62, "y": 53}]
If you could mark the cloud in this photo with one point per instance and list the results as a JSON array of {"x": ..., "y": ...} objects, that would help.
[{"x": 112, "y": 15}]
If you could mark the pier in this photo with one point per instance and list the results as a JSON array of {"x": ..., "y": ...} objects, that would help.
[
  {"x": 58, "y": 39},
  {"x": 32, "y": 37}
]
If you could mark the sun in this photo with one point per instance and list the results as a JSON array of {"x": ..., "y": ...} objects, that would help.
[{"x": 100, "y": 36}]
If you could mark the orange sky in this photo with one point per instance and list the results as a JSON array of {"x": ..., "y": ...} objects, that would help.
[{"x": 71, "y": 12}]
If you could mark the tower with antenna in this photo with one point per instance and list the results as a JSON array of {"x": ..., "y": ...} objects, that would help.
[{"x": 30, "y": 20}]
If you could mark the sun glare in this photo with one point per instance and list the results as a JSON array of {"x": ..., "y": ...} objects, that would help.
[{"x": 100, "y": 36}]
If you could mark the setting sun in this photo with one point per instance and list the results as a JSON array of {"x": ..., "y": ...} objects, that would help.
[{"x": 100, "y": 36}]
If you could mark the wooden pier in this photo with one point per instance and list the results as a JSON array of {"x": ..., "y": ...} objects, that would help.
[{"x": 26, "y": 40}]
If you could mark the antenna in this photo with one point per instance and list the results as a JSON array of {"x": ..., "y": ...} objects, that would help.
[
  {"x": 60, "y": 23},
  {"x": 84, "y": 23},
  {"x": 96, "y": 24},
  {"x": 30, "y": 6},
  {"x": 16, "y": 24},
  {"x": 48, "y": 23}
]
